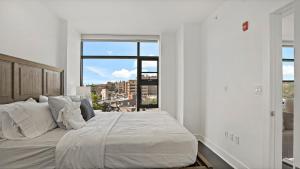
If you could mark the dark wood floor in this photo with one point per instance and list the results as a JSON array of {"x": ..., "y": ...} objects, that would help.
[
  {"x": 285, "y": 166},
  {"x": 214, "y": 159},
  {"x": 217, "y": 162}
]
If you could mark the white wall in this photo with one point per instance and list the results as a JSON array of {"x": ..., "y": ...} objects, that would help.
[
  {"x": 168, "y": 72},
  {"x": 29, "y": 31},
  {"x": 297, "y": 83},
  {"x": 73, "y": 60},
  {"x": 237, "y": 63},
  {"x": 288, "y": 28},
  {"x": 180, "y": 74},
  {"x": 190, "y": 72}
]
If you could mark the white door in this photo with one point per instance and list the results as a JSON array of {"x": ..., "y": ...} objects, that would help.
[
  {"x": 276, "y": 82},
  {"x": 297, "y": 86}
]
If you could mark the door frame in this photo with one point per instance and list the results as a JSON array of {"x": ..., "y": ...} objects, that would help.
[{"x": 276, "y": 125}]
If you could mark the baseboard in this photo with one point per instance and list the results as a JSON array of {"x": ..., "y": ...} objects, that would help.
[
  {"x": 226, "y": 156},
  {"x": 198, "y": 136}
]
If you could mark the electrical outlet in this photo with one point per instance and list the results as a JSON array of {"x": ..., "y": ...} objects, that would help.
[
  {"x": 226, "y": 134},
  {"x": 231, "y": 137},
  {"x": 237, "y": 140}
]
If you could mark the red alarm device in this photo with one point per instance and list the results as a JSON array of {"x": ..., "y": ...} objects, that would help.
[{"x": 245, "y": 26}]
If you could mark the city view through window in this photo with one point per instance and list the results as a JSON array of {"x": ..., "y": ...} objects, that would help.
[
  {"x": 288, "y": 60},
  {"x": 123, "y": 76}
]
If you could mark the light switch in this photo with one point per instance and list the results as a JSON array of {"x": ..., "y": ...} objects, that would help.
[{"x": 237, "y": 140}]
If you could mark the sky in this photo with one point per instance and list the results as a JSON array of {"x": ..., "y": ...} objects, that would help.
[
  {"x": 288, "y": 67},
  {"x": 101, "y": 71}
]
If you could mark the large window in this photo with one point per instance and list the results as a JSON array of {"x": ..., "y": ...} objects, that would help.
[
  {"x": 123, "y": 75},
  {"x": 288, "y": 61}
]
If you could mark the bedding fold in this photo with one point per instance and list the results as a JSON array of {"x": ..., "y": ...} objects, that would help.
[{"x": 85, "y": 148}]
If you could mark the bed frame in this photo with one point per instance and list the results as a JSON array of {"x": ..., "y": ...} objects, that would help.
[{"x": 22, "y": 79}]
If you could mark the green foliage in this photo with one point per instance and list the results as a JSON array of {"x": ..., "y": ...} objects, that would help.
[
  {"x": 288, "y": 90},
  {"x": 153, "y": 101},
  {"x": 96, "y": 105},
  {"x": 150, "y": 101}
]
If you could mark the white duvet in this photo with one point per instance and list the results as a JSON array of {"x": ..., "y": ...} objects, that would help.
[{"x": 127, "y": 140}]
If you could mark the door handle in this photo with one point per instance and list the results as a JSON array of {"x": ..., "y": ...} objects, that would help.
[{"x": 272, "y": 114}]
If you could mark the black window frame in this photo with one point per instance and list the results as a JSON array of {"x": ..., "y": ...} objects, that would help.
[
  {"x": 288, "y": 60},
  {"x": 139, "y": 59}
]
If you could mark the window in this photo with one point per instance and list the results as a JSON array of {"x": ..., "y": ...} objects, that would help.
[
  {"x": 288, "y": 63},
  {"x": 103, "y": 48},
  {"x": 123, "y": 75},
  {"x": 288, "y": 70}
]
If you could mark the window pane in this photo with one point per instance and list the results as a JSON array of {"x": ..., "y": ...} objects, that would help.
[
  {"x": 149, "y": 66},
  {"x": 149, "y": 95},
  {"x": 113, "y": 83},
  {"x": 288, "y": 97},
  {"x": 149, "y": 49},
  {"x": 288, "y": 53},
  {"x": 97, "y": 48},
  {"x": 149, "y": 76},
  {"x": 288, "y": 90},
  {"x": 288, "y": 70}
]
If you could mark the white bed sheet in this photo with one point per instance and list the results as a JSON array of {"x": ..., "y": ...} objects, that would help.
[
  {"x": 34, "y": 153},
  {"x": 135, "y": 140},
  {"x": 149, "y": 140}
]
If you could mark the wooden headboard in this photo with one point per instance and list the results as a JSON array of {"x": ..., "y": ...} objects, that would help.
[{"x": 21, "y": 79}]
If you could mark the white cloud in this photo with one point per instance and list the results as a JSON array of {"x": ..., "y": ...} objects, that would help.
[
  {"x": 149, "y": 64},
  {"x": 288, "y": 70},
  {"x": 90, "y": 82},
  {"x": 124, "y": 73},
  {"x": 98, "y": 71}
]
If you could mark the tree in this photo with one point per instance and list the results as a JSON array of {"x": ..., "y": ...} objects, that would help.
[{"x": 96, "y": 105}]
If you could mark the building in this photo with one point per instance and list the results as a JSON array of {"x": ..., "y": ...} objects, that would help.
[
  {"x": 120, "y": 86},
  {"x": 104, "y": 94},
  {"x": 130, "y": 89}
]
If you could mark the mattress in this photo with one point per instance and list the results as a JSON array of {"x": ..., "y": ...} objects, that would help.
[
  {"x": 137, "y": 140},
  {"x": 128, "y": 140},
  {"x": 34, "y": 153},
  {"x": 149, "y": 140}
]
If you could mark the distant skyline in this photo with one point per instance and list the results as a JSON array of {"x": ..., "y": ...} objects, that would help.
[{"x": 101, "y": 71}]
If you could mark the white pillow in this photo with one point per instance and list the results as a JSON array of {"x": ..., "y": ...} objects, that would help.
[
  {"x": 9, "y": 129},
  {"x": 43, "y": 99},
  {"x": 12, "y": 130},
  {"x": 31, "y": 100},
  {"x": 34, "y": 119},
  {"x": 75, "y": 98},
  {"x": 56, "y": 105},
  {"x": 71, "y": 116}
]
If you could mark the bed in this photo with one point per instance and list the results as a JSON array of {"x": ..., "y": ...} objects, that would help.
[
  {"x": 35, "y": 153},
  {"x": 128, "y": 140},
  {"x": 111, "y": 140},
  {"x": 156, "y": 141}
]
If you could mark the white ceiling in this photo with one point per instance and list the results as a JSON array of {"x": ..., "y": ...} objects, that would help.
[{"x": 130, "y": 16}]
